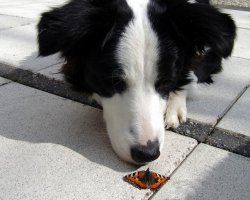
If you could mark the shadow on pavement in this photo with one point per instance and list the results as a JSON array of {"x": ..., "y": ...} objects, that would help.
[
  {"x": 37, "y": 117},
  {"x": 207, "y": 174}
]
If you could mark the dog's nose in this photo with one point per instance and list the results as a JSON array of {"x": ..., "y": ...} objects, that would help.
[{"x": 145, "y": 153}]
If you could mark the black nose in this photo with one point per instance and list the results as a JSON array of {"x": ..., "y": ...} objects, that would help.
[{"x": 145, "y": 153}]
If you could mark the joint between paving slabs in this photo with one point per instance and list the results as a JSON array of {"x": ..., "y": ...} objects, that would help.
[
  {"x": 241, "y": 57},
  {"x": 44, "y": 83},
  {"x": 214, "y": 136},
  {"x": 4, "y": 29},
  {"x": 225, "y": 112},
  {"x": 174, "y": 171}
]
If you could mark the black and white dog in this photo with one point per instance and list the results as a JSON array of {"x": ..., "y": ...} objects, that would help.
[{"x": 136, "y": 57}]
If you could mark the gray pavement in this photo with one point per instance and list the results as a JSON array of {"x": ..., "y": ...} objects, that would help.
[
  {"x": 55, "y": 148},
  {"x": 238, "y": 115},
  {"x": 209, "y": 173},
  {"x": 19, "y": 48},
  {"x": 207, "y": 103},
  {"x": 237, "y": 3}
]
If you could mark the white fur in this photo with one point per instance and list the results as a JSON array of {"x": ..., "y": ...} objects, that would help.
[
  {"x": 137, "y": 110},
  {"x": 176, "y": 112},
  {"x": 138, "y": 48},
  {"x": 140, "y": 108}
]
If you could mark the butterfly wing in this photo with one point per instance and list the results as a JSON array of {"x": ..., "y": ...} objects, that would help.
[
  {"x": 159, "y": 181},
  {"x": 145, "y": 180},
  {"x": 134, "y": 179}
]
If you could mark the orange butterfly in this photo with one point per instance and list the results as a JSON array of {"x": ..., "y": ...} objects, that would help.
[{"x": 146, "y": 179}]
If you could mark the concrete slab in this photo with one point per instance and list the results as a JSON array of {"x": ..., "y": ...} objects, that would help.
[
  {"x": 27, "y": 8},
  {"x": 242, "y": 18},
  {"x": 209, "y": 173},
  {"x": 238, "y": 3},
  {"x": 242, "y": 44},
  {"x": 4, "y": 81},
  {"x": 7, "y": 21},
  {"x": 19, "y": 48},
  {"x": 53, "y": 148},
  {"x": 206, "y": 103},
  {"x": 53, "y": 72},
  {"x": 238, "y": 120}
]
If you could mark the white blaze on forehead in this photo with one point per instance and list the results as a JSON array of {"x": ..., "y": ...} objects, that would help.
[
  {"x": 138, "y": 47},
  {"x": 136, "y": 116}
]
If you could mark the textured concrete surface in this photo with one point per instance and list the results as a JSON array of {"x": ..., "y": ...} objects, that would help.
[
  {"x": 238, "y": 118},
  {"x": 54, "y": 148},
  {"x": 7, "y": 21},
  {"x": 19, "y": 49},
  {"x": 239, "y": 3},
  {"x": 207, "y": 103},
  {"x": 242, "y": 44},
  {"x": 27, "y": 8},
  {"x": 230, "y": 141},
  {"x": 209, "y": 173}
]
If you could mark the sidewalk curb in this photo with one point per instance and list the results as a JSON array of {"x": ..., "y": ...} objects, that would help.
[
  {"x": 217, "y": 137},
  {"x": 203, "y": 133},
  {"x": 44, "y": 83}
]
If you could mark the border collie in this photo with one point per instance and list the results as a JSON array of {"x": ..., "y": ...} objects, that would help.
[{"x": 135, "y": 58}]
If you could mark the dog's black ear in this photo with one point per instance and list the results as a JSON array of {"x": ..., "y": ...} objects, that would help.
[
  {"x": 80, "y": 21},
  {"x": 204, "y": 27}
]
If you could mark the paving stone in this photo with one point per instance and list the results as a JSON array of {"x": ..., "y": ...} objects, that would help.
[
  {"x": 242, "y": 18},
  {"x": 19, "y": 48},
  {"x": 242, "y": 44},
  {"x": 3, "y": 81},
  {"x": 27, "y": 8},
  {"x": 53, "y": 72},
  {"x": 238, "y": 118},
  {"x": 237, "y": 3},
  {"x": 53, "y": 148},
  {"x": 7, "y": 21},
  {"x": 209, "y": 173},
  {"x": 206, "y": 103}
]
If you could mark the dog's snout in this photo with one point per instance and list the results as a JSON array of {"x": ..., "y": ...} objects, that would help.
[{"x": 145, "y": 153}]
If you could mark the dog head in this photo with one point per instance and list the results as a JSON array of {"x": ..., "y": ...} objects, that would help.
[{"x": 129, "y": 55}]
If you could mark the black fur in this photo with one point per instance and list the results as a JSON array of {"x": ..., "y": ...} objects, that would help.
[
  {"x": 193, "y": 37},
  {"x": 86, "y": 32}
]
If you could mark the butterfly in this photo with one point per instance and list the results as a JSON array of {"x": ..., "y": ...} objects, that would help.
[{"x": 146, "y": 179}]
